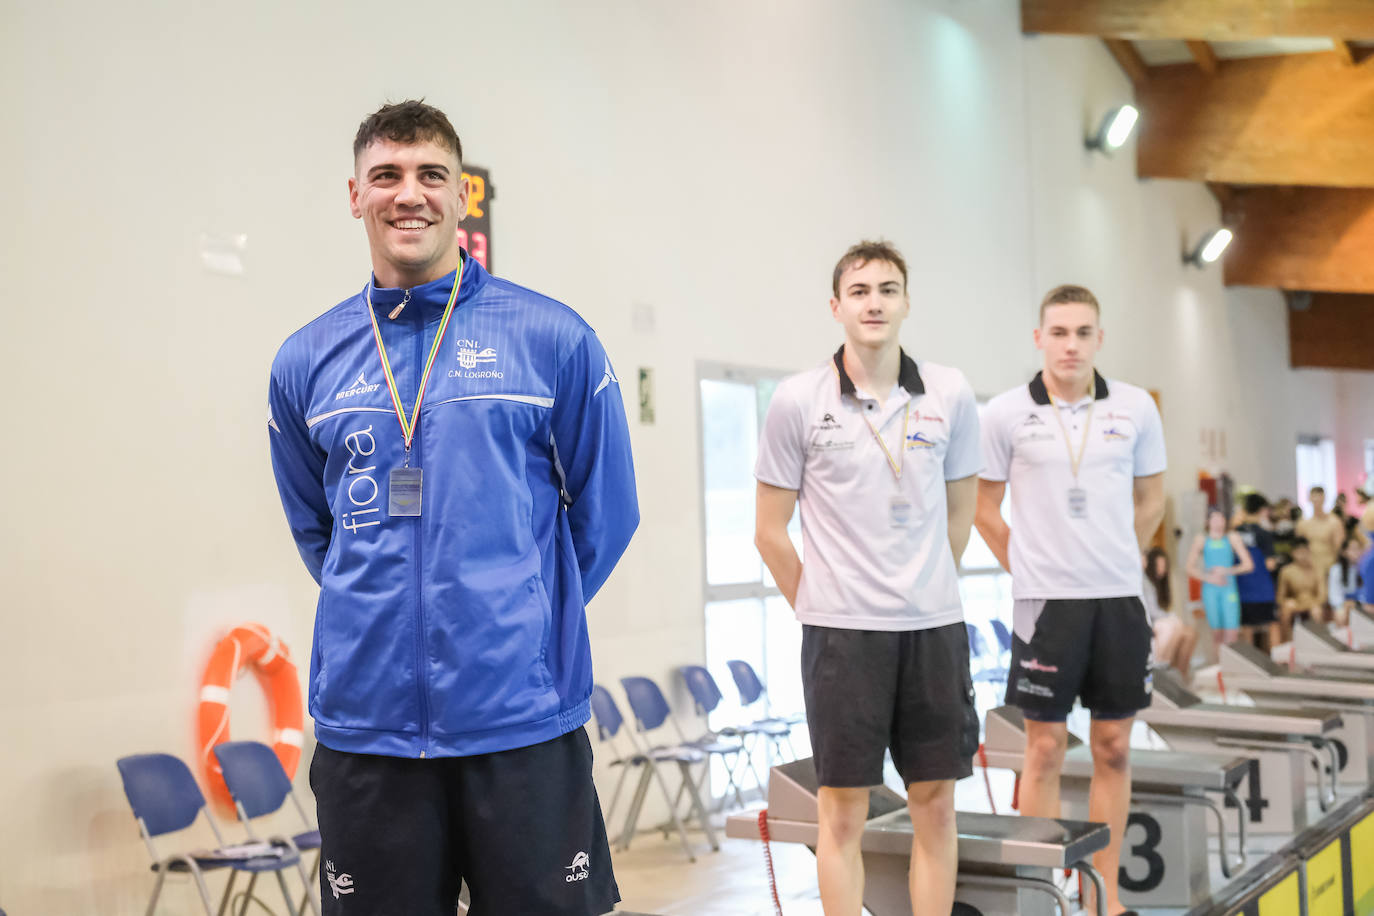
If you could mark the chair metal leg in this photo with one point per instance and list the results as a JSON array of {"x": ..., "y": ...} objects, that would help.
[
  {"x": 615, "y": 796},
  {"x": 157, "y": 892},
  {"x": 248, "y": 894},
  {"x": 285, "y": 891},
  {"x": 636, "y": 803},
  {"x": 700, "y": 809},
  {"x": 312, "y": 887},
  {"x": 672, "y": 811},
  {"x": 228, "y": 892}
]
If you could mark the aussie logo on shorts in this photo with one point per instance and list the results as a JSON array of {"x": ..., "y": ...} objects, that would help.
[
  {"x": 579, "y": 869},
  {"x": 338, "y": 883}
]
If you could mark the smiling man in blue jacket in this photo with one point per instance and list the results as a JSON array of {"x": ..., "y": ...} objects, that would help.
[{"x": 452, "y": 455}]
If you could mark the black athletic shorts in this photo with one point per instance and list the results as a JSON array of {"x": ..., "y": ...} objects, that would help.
[
  {"x": 522, "y": 827},
  {"x": 1094, "y": 648},
  {"x": 868, "y": 690},
  {"x": 1256, "y": 613}
]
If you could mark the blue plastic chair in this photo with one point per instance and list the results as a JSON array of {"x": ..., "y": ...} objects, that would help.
[
  {"x": 989, "y": 669},
  {"x": 751, "y": 690},
  {"x": 608, "y": 726},
  {"x": 165, "y": 799},
  {"x": 650, "y": 711},
  {"x": 259, "y": 786},
  {"x": 1003, "y": 635},
  {"x": 706, "y": 698}
]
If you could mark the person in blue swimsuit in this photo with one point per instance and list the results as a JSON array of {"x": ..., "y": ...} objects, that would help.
[{"x": 1217, "y": 557}]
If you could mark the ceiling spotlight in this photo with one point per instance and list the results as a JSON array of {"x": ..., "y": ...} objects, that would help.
[
  {"x": 1114, "y": 130},
  {"x": 1208, "y": 248}
]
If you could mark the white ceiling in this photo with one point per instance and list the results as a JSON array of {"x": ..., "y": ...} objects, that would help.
[{"x": 1158, "y": 52}]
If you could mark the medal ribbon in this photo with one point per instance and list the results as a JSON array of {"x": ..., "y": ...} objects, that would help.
[
  {"x": 895, "y": 466},
  {"x": 408, "y": 426},
  {"x": 1074, "y": 463}
]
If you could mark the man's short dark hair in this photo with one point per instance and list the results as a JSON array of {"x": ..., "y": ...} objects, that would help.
[
  {"x": 1255, "y": 502},
  {"x": 1301, "y": 541},
  {"x": 865, "y": 251},
  {"x": 411, "y": 121},
  {"x": 1317, "y": 489},
  {"x": 1068, "y": 294}
]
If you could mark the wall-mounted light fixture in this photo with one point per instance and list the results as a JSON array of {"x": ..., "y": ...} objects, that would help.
[
  {"x": 1114, "y": 130},
  {"x": 1208, "y": 248}
]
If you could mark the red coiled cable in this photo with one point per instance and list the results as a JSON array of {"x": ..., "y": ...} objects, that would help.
[
  {"x": 768, "y": 859},
  {"x": 983, "y": 762}
]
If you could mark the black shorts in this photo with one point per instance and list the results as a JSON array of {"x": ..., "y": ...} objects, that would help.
[
  {"x": 1256, "y": 613},
  {"x": 523, "y": 827},
  {"x": 1096, "y": 648},
  {"x": 867, "y": 691}
]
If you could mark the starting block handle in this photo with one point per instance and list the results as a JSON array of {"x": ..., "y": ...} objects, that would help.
[
  {"x": 1325, "y": 801},
  {"x": 1229, "y": 866},
  {"x": 1085, "y": 868},
  {"x": 1025, "y": 883}
]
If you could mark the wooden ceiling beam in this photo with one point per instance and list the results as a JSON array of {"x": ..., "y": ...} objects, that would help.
[
  {"x": 1130, "y": 61},
  {"x": 1209, "y": 20},
  {"x": 1336, "y": 331},
  {"x": 1304, "y": 119},
  {"x": 1319, "y": 239},
  {"x": 1204, "y": 55}
]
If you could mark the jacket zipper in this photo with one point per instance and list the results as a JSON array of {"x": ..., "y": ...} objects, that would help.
[{"x": 422, "y": 679}]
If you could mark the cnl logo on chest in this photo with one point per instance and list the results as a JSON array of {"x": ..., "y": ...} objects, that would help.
[{"x": 471, "y": 354}]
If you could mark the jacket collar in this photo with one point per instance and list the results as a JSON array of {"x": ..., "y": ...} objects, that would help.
[
  {"x": 430, "y": 298},
  {"x": 1041, "y": 395},
  {"x": 908, "y": 376}
]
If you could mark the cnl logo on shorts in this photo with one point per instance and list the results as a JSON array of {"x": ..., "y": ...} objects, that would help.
[
  {"x": 338, "y": 883},
  {"x": 578, "y": 868}
]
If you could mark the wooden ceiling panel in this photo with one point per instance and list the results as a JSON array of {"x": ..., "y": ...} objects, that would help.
[
  {"x": 1206, "y": 20},
  {"x": 1335, "y": 332},
  {"x": 1298, "y": 119},
  {"x": 1301, "y": 238}
]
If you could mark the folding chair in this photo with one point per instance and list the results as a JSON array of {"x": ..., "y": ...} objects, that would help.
[
  {"x": 259, "y": 786},
  {"x": 1003, "y": 636},
  {"x": 706, "y": 697},
  {"x": 777, "y": 729},
  {"x": 165, "y": 798},
  {"x": 990, "y": 670},
  {"x": 608, "y": 723}
]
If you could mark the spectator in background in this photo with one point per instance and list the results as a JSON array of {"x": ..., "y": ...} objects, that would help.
[
  {"x": 1258, "y": 624},
  {"x": 1301, "y": 591},
  {"x": 1217, "y": 557},
  {"x": 1324, "y": 532},
  {"x": 1281, "y": 523},
  {"x": 1174, "y": 639},
  {"x": 1349, "y": 579}
]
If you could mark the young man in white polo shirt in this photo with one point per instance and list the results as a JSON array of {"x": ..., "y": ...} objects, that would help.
[
  {"x": 1085, "y": 459},
  {"x": 881, "y": 452}
]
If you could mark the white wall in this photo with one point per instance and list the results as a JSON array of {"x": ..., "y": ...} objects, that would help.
[{"x": 711, "y": 160}]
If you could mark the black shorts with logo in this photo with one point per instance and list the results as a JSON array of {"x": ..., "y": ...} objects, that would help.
[
  {"x": 523, "y": 827},
  {"x": 870, "y": 690},
  {"x": 1096, "y": 648}
]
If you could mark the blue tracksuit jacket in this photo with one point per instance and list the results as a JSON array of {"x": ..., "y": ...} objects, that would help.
[{"x": 462, "y": 631}]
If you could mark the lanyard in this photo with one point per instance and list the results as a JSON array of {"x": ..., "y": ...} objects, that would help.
[
  {"x": 1074, "y": 463},
  {"x": 408, "y": 426},
  {"x": 895, "y": 466}
]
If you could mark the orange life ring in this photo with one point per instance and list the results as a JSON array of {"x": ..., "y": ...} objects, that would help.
[{"x": 251, "y": 644}]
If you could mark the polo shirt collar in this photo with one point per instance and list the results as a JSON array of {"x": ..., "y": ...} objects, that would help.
[
  {"x": 908, "y": 376},
  {"x": 1040, "y": 395}
]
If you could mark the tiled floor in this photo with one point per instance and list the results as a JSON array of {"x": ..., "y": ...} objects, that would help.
[{"x": 655, "y": 876}]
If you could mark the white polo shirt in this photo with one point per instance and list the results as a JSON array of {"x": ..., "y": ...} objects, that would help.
[
  {"x": 1052, "y": 553},
  {"x": 877, "y": 551}
]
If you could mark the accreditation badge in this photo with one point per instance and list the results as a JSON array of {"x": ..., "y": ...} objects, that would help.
[{"x": 404, "y": 494}]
